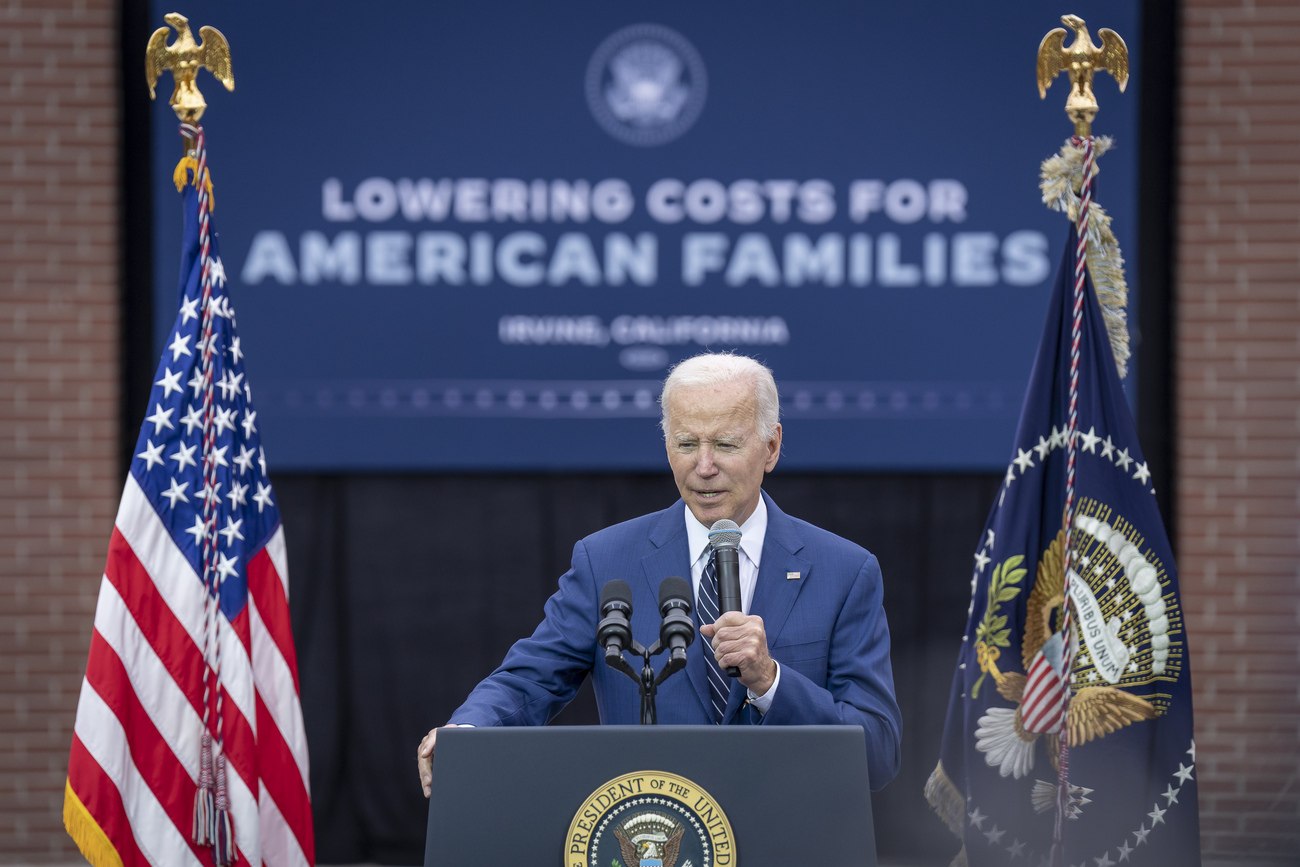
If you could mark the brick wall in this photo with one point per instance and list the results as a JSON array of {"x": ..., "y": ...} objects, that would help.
[
  {"x": 1238, "y": 381},
  {"x": 59, "y": 478}
]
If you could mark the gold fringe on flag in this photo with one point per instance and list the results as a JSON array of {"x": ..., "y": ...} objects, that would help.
[
  {"x": 1062, "y": 177},
  {"x": 946, "y": 800},
  {"x": 86, "y": 833},
  {"x": 948, "y": 803}
]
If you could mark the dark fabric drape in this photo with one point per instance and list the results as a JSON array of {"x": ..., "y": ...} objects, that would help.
[{"x": 408, "y": 589}]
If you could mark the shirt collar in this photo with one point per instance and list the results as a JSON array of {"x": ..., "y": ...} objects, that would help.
[{"x": 752, "y": 533}]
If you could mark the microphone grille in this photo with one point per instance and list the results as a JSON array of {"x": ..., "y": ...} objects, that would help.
[
  {"x": 674, "y": 587},
  {"x": 724, "y": 534},
  {"x": 616, "y": 591}
]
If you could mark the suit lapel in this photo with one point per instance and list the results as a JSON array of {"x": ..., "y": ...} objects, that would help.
[
  {"x": 775, "y": 594},
  {"x": 672, "y": 557}
]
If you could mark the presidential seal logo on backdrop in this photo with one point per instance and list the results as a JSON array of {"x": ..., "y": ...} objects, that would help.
[
  {"x": 650, "y": 819},
  {"x": 646, "y": 85}
]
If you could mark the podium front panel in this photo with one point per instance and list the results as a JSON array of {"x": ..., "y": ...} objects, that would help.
[{"x": 793, "y": 794}]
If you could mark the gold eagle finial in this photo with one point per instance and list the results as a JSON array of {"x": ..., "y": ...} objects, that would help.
[
  {"x": 1081, "y": 60},
  {"x": 185, "y": 58}
]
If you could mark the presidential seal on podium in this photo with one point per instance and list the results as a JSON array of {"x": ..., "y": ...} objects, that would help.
[{"x": 650, "y": 819}]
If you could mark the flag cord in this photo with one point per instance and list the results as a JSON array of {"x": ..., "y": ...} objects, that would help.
[
  {"x": 1076, "y": 334},
  {"x": 213, "y": 824}
]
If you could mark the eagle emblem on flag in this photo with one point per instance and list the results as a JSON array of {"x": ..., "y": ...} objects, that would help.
[{"x": 1007, "y": 736}]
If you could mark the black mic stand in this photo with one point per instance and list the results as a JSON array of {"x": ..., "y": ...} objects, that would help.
[{"x": 647, "y": 682}]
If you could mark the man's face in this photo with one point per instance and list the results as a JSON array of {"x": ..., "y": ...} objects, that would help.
[{"x": 717, "y": 456}]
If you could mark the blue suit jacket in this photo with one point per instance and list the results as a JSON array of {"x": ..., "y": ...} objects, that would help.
[{"x": 826, "y": 628}]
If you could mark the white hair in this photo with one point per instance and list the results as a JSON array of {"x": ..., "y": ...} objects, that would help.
[{"x": 717, "y": 368}]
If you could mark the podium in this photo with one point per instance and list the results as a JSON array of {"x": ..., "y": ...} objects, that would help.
[{"x": 548, "y": 797}]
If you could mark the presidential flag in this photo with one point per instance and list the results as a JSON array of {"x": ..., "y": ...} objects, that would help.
[
  {"x": 1131, "y": 792},
  {"x": 189, "y": 747}
]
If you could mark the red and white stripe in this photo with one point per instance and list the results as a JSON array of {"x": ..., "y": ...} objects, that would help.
[
  {"x": 1041, "y": 707},
  {"x": 135, "y": 749}
]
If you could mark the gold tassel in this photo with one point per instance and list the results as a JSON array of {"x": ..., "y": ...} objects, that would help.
[
  {"x": 1062, "y": 178},
  {"x": 946, "y": 800},
  {"x": 181, "y": 177},
  {"x": 85, "y": 832}
]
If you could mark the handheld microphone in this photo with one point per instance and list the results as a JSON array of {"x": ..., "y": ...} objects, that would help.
[
  {"x": 724, "y": 538},
  {"x": 614, "y": 632},
  {"x": 677, "y": 629}
]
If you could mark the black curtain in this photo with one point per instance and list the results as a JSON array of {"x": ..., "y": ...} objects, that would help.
[{"x": 407, "y": 589}]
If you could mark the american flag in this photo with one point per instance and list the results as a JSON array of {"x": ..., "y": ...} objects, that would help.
[{"x": 196, "y": 585}]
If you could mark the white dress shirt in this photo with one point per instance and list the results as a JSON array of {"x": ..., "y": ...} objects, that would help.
[{"x": 752, "y": 534}]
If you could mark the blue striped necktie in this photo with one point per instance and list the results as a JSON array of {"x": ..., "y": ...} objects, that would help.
[{"x": 707, "y": 607}]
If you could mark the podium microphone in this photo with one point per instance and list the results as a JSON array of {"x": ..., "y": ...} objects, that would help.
[
  {"x": 724, "y": 538},
  {"x": 614, "y": 632},
  {"x": 677, "y": 629},
  {"x": 676, "y": 632}
]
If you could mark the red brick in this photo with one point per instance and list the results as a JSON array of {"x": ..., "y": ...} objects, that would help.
[
  {"x": 1238, "y": 393},
  {"x": 58, "y": 391}
]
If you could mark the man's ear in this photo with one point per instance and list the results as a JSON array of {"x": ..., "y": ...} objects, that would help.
[{"x": 773, "y": 450}]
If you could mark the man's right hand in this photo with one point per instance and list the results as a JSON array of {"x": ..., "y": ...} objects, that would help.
[{"x": 424, "y": 758}]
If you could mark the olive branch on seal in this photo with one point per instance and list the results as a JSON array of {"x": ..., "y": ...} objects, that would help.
[{"x": 993, "y": 632}]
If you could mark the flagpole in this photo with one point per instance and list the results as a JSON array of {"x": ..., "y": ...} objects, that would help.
[
  {"x": 213, "y": 824},
  {"x": 1080, "y": 61}
]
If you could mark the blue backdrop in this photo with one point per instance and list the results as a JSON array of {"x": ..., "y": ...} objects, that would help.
[{"x": 474, "y": 235}]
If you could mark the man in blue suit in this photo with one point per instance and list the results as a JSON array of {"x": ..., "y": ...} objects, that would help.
[{"x": 812, "y": 646}]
